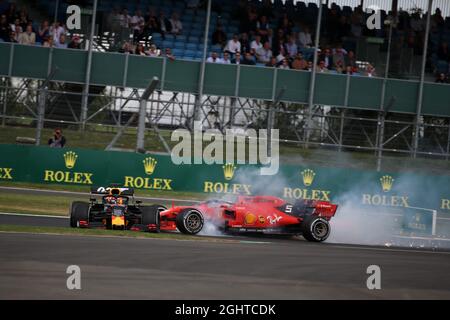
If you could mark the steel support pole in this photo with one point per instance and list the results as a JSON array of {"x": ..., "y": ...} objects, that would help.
[
  {"x": 143, "y": 113},
  {"x": 42, "y": 94},
  {"x": 422, "y": 79},
  {"x": 85, "y": 97},
  {"x": 313, "y": 74},
  {"x": 198, "y": 100}
]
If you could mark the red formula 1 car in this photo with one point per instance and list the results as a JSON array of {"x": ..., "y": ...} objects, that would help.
[{"x": 263, "y": 214}]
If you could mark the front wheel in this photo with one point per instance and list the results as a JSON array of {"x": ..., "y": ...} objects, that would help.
[
  {"x": 315, "y": 229},
  {"x": 189, "y": 221},
  {"x": 78, "y": 211},
  {"x": 150, "y": 215}
]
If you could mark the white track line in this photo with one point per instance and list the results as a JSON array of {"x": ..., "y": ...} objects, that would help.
[
  {"x": 88, "y": 194},
  {"x": 32, "y": 215}
]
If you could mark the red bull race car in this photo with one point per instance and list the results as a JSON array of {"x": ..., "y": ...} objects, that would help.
[
  {"x": 114, "y": 208},
  {"x": 253, "y": 214}
]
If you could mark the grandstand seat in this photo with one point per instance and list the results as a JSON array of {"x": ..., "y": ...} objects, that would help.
[
  {"x": 181, "y": 37},
  {"x": 167, "y": 44},
  {"x": 191, "y": 46},
  {"x": 179, "y": 45},
  {"x": 194, "y": 39}
]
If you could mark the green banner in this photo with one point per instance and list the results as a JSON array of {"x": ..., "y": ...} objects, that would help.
[{"x": 157, "y": 172}]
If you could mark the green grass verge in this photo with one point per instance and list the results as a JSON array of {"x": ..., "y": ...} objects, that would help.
[
  {"x": 59, "y": 204},
  {"x": 96, "y": 232}
]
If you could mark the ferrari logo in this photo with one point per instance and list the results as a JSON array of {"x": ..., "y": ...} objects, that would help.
[{"x": 250, "y": 218}]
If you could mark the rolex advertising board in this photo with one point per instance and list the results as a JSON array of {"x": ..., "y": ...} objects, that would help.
[{"x": 157, "y": 172}]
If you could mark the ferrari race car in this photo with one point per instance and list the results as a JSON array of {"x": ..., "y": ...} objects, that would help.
[
  {"x": 253, "y": 214},
  {"x": 116, "y": 209}
]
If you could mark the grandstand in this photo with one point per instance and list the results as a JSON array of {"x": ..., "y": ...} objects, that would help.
[{"x": 342, "y": 25}]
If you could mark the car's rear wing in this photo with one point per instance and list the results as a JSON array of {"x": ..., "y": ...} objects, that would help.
[{"x": 108, "y": 190}]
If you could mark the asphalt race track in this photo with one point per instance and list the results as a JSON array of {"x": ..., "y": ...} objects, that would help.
[{"x": 34, "y": 266}]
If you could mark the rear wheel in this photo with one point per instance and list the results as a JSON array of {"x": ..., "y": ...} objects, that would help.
[
  {"x": 78, "y": 211},
  {"x": 315, "y": 229},
  {"x": 189, "y": 221},
  {"x": 150, "y": 215}
]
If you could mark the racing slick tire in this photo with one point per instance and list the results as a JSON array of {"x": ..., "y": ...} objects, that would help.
[
  {"x": 78, "y": 211},
  {"x": 189, "y": 221},
  {"x": 150, "y": 215},
  {"x": 315, "y": 229}
]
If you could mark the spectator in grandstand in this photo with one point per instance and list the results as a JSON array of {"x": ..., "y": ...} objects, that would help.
[
  {"x": 137, "y": 22},
  {"x": 264, "y": 54},
  {"x": 321, "y": 67},
  {"x": 284, "y": 64},
  {"x": 214, "y": 58},
  {"x": 192, "y": 4},
  {"x": 168, "y": 54},
  {"x": 43, "y": 31},
  {"x": 176, "y": 25},
  {"x": 256, "y": 44},
  {"x": 272, "y": 62},
  {"x": 348, "y": 70},
  {"x": 233, "y": 45},
  {"x": 309, "y": 66},
  {"x": 152, "y": 24},
  {"x": 291, "y": 47},
  {"x": 343, "y": 28},
  {"x": 304, "y": 37},
  {"x": 285, "y": 24},
  {"x": 437, "y": 20},
  {"x": 248, "y": 59},
  {"x": 416, "y": 23},
  {"x": 299, "y": 63},
  {"x": 357, "y": 21},
  {"x": 12, "y": 37},
  {"x": 27, "y": 37},
  {"x": 58, "y": 140},
  {"x": 350, "y": 60},
  {"x": 48, "y": 42},
  {"x": 327, "y": 58},
  {"x": 441, "y": 78},
  {"x": 370, "y": 71},
  {"x": 245, "y": 43},
  {"x": 153, "y": 51},
  {"x": 56, "y": 30},
  {"x": 125, "y": 19},
  {"x": 61, "y": 42},
  {"x": 444, "y": 52},
  {"x": 74, "y": 43},
  {"x": 5, "y": 29},
  {"x": 332, "y": 24},
  {"x": 17, "y": 28},
  {"x": 281, "y": 55},
  {"x": 278, "y": 42},
  {"x": 338, "y": 57},
  {"x": 219, "y": 37},
  {"x": 262, "y": 28},
  {"x": 164, "y": 23},
  {"x": 237, "y": 58},
  {"x": 140, "y": 51},
  {"x": 126, "y": 48},
  {"x": 23, "y": 18},
  {"x": 226, "y": 58}
]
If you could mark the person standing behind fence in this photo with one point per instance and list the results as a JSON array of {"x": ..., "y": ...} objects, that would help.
[{"x": 58, "y": 140}]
